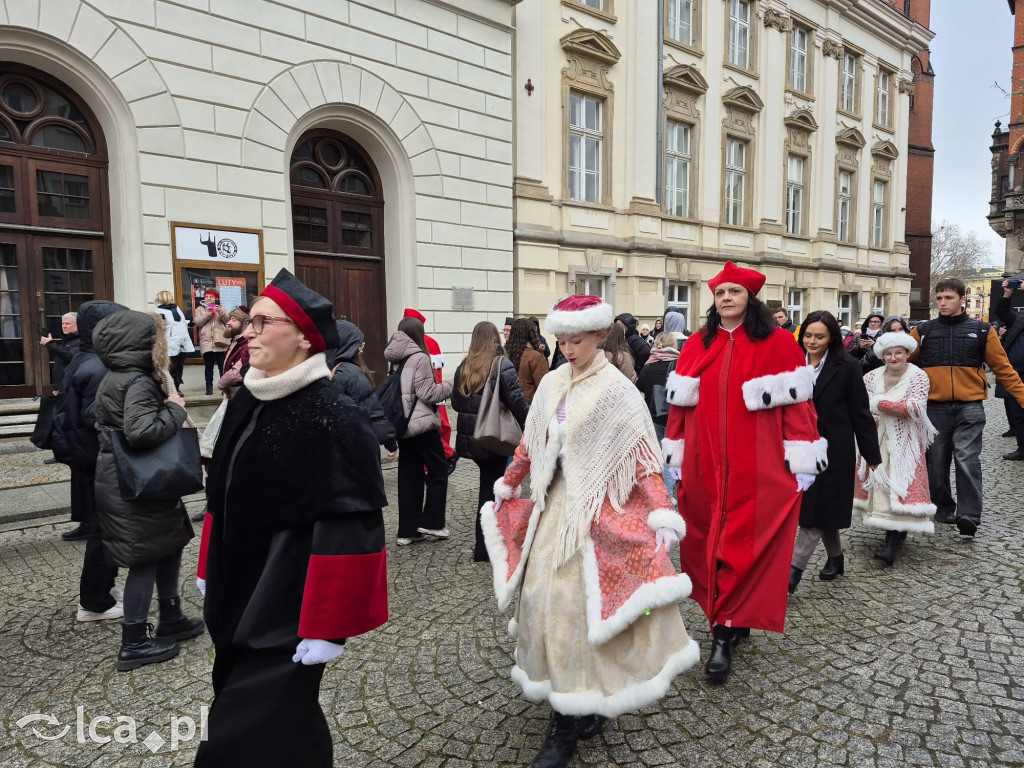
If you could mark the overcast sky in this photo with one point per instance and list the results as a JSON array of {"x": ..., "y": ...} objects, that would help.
[{"x": 970, "y": 52}]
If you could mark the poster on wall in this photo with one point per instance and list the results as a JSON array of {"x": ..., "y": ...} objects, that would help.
[{"x": 228, "y": 247}]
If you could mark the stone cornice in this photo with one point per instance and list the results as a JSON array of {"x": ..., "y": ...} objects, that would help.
[{"x": 591, "y": 44}]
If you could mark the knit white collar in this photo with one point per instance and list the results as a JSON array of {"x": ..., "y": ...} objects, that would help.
[{"x": 266, "y": 388}]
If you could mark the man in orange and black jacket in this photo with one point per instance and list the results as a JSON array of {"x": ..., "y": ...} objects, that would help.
[{"x": 953, "y": 348}]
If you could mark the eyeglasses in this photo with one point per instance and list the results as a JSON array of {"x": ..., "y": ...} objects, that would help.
[{"x": 258, "y": 322}]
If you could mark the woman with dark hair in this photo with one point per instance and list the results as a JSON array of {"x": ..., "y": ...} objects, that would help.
[
  {"x": 740, "y": 403},
  {"x": 616, "y": 349},
  {"x": 422, "y": 465},
  {"x": 841, "y": 402},
  {"x": 862, "y": 344},
  {"x": 659, "y": 326},
  {"x": 523, "y": 349},
  {"x": 893, "y": 324},
  {"x": 470, "y": 378}
]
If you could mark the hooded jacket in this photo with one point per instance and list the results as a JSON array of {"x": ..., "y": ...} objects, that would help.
[
  {"x": 675, "y": 324},
  {"x": 132, "y": 346},
  {"x": 636, "y": 342},
  {"x": 353, "y": 382},
  {"x": 74, "y": 415},
  {"x": 868, "y": 360},
  {"x": 420, "y": 392}
]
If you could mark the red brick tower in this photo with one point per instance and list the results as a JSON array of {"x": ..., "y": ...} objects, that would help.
[{"x": 1006, "y": 208}]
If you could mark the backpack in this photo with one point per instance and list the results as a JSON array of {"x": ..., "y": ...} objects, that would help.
[{"x": 389, "y": 394}]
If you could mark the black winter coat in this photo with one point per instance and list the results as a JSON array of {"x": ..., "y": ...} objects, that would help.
[
  {"x": 640, "y": 349},
  {"x": 74, "y": 416},
  {"x": 62, "y": 350},
  {"x": 650, "y": 376},
  {"x": 130, "y": 399},
  {"x": 844, "y": 415},
  {"x": 353, "y": 382},
  {"x": 468, "y": 408}
]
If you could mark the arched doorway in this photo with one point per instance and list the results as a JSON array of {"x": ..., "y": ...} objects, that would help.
[
  {"x": 54, "y": 220},
  {"x": 338, "y": 233}
]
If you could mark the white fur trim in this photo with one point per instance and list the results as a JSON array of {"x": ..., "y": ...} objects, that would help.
[
  {"x": 682, "y": 390},
  {"x": 597, "y": 703},
  {"x": 911, "y": 526},
  {"x": 503, "y": 491},
  {"x": 672, "y": 452},
  {"x": 505, "y": 586},
  {"x": 918, "y": 510},
  {"x": 806, "y": 457},
  {"x": 667, "y": 518},
  {"x": 889, "y": 340},
  {"x": 596, "y": 318},
  {"x": 513, "y": 628},
  {"x": 437, "y": 361},
  {"x": 796, "y": 386}
]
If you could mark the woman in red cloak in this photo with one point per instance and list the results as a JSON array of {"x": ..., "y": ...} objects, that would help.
[{"x": 741, "y": 406}]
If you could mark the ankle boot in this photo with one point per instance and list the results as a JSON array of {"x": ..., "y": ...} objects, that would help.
[
  {"x": 591, "y": 725},
  {"x": 794, "y": 578},
  {"x": 720, "y": 661},
  {"x": 887, "y": 554},
  {"x": 139, "y": 647},
  {"x": 833, "y": 568},
  {"x": 560, "y": 744},
  {"x": 174, "y": 625}
]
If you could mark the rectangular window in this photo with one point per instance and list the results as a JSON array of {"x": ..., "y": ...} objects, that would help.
[
  {"x": 796, "y": 305},
  {"x": 585, "y": 139},
  {"x": 798, "y": 59},
  {"x": 878, "y": 215},
  {"x": 679, "y": 299},
  {"x": 739, "y": 33},
  {"x": 848, "y": 84},
  {"x": 878, "y": 304},
  {"x": 598, "y": 4},
  {"x": 845, "y": 314},
  {"x": 735, "y": 178},
  {"x": 677, "y": 169},
  {"x": 590, "y": 285},
  {"x": 794, "y": 194},
  {"x": 844, "y": 203},
  {"x": 680, "y": 21},
  {"x": 882, "y": 98}
]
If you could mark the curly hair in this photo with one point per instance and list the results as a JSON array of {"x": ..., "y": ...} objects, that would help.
[{"x": 522, "y": 335}]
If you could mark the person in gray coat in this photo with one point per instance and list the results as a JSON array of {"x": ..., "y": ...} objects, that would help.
[
  {"x": 421, "y": 445},
  {"x": 147, "y": 538}
]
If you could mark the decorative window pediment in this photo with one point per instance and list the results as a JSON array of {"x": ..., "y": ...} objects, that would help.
[
  {"x": 885, "y": 150},
  {"x": 591, "y": 44},
  {"x": 801, "y": 120},
  {"x": 851, "y": 137},
  {"x": 744, "y": 99},
  {"x": 687, "y": 78}
]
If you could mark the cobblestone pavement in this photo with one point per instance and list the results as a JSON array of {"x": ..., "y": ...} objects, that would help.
[{"x": 912, "y": 665}]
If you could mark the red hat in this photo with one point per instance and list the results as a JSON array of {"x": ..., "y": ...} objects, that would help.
[
  {"x": 311, "y": 312},
  {"x": 413, "y": 313},
  {"x": 750, "y": 279},
  {"x": 579, "y": 314},
  {"x": 214, "y": 291}
]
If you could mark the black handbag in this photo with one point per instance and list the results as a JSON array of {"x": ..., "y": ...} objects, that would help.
[{"x": 162, "y": 473}]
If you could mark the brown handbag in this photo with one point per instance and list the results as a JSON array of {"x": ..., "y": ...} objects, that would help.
[{"x": 496, "y": 428}]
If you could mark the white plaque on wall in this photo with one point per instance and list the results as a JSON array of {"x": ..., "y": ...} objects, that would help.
[{"x": 217, "y": 246}]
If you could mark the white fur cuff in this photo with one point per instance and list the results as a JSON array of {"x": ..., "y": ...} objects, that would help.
[
  {"x": 779, "y": 389},
  {"x": 667, "y": 518},
  {"x": 503, "y": 491},
  {"x": 805, "y": 457},
  {"x": 672, "y": 452},
  {"x": 682, "y": 390}
]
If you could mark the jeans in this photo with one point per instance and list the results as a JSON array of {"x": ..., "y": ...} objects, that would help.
[
  {"x": 807, "y": 541},
  {"x": 97, "y": 577},
  {"x": 138, "y": 586},
  {"x": 666, "y": 470},
  {"x": 960, "y": 425},
  {"x": 211, "y": 359},
  {"x": 415, "y": 454}
]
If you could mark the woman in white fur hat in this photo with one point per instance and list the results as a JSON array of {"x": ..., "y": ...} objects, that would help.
[{"x": 895, "y": 497}]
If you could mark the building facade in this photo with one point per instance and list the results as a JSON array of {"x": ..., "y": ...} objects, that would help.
[
  {"x": 981, "y": 291},
  {"x": 183, "y": 144},
  {"x": 655, "y": 140}
]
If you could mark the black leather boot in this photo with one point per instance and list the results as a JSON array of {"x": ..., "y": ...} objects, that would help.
[
  {"x": 887, "y": 554},
  {"x": 794, "y": 578},
  {"x": 591, "y": 725},
  {"x": 139, "y": 647},
  {"x": 720, "y": 661},
  {"x": 560, "y": 744},
  {"x": 833, "y": 568},
  {"x": 174, "y": 625}
]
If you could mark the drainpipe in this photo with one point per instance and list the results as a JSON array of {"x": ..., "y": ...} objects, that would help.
[{"x": 658, "y": 162}]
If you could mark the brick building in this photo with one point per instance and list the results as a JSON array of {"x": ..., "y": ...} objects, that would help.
[{"x": 1006, "y": 205}]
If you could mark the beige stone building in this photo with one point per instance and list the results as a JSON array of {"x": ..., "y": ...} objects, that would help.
[
  {"x": 979, "y": 291},
  {"x": 656, "y": 139}
]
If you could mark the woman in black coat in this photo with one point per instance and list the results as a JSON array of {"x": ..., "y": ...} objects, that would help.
[
  {"x": 843, "y": 415},
  {"x": 467, "y": 393}
]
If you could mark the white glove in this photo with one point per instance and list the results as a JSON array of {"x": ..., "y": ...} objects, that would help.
[
  {"x": 675, "y": 473},
  {"x": 317, "y": 651},
  {"x": 665, "y": 536},
  {"x": 803, "y": 482},
  {"x": 201, "y": 584}
]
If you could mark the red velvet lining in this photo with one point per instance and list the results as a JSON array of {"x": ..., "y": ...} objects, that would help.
[
  {"x": 346, "y": 595},
  {"x": 296, "y": 313},
  {"x": 204, "y": 545}
]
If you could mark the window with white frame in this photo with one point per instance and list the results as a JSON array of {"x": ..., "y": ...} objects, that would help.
[
  {"x": 679, "y": 299},
  {"x": 585, "y": 138},
  {"x": 878, "y": 304},
  {"x": 848, "y": 84},
  {"x": 590, "y": 285},
  {"x": 844, "y": 205},
  {"x": 878, "y": 193},
  {"x": 677, "y": 168},
  {"x": 845, "y": 313},
  {"x": 680, "y": 21},
  {"x": 798, "y": 38},
  {"x": 883, "y": 97},
  {"x": 735, "y": 181},
  {"x": 796, "y": 305},
  {"x": 794, "y": 194},
  {"x": 739, "y": 33}
]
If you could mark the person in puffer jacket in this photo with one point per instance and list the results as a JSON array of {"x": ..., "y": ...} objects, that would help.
[
  {"x": 637, "y": 345},
  {"x": 349, "y": 371},
  {"x": 470, "y": 378},
  {"x": 420, "y": 447}
]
